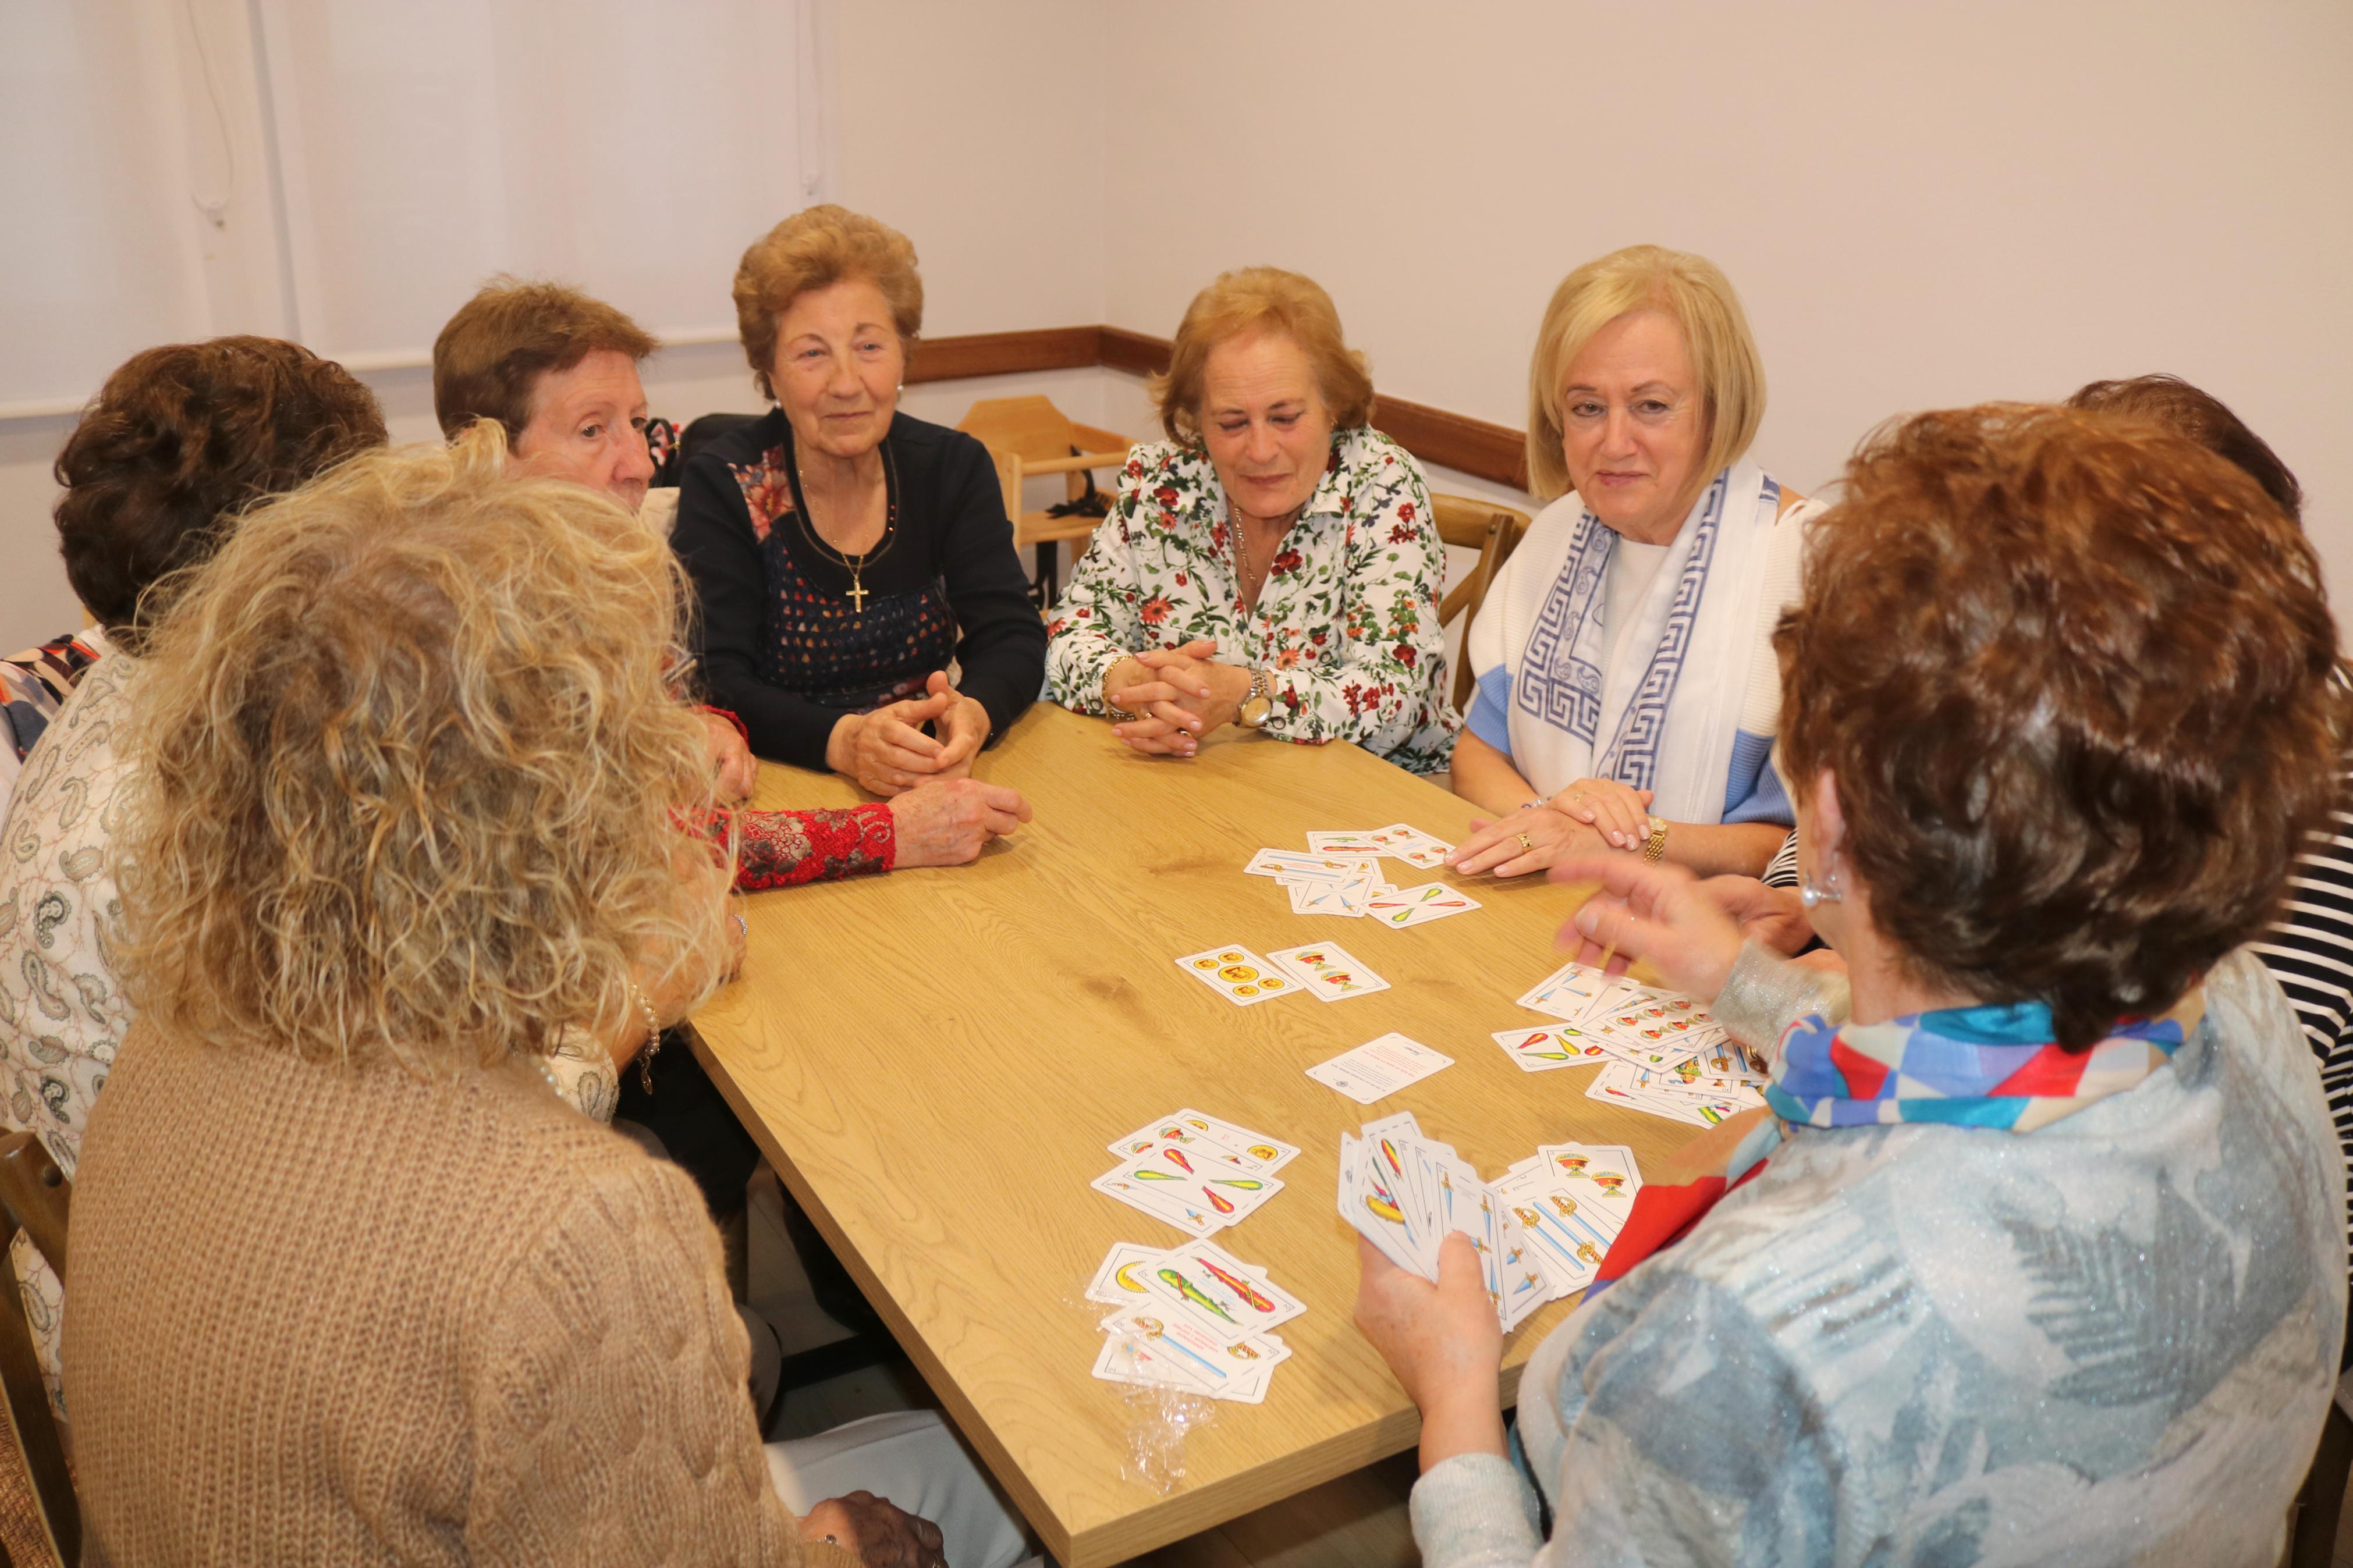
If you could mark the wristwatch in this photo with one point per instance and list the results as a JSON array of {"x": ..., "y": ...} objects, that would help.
[
  {"x": 1260, "y": 704},
  {"x": 1657, "y": 846}
]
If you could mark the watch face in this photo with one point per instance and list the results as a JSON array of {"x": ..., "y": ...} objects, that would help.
[{"x": 1255, "y": 711}]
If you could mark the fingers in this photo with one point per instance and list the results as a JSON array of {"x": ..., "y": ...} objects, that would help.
[
  {"x": 886, "y": 733},
  {"x": 1176, "y": 668},
  {"x": 1177, "y": 716},
  {"x": 1611, "y": 809},
  {"x": 1155, "y": 737},
  {"x": 1135, "y": 698}
]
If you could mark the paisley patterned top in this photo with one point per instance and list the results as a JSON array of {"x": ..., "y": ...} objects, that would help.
[{"x": 1347, "y": 619}]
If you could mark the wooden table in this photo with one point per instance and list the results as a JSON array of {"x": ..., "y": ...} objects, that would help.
[{"x": 934, "y": 1060}]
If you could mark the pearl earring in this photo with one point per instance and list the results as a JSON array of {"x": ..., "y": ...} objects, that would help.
[{"x": 1811, "y": 894}]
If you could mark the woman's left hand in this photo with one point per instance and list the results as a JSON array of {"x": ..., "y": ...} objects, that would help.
[
  {"x": 1192, "y": 695},
  {"x": 1530, "y": 839},
  {"x": 1656, "y": 912},
  {"x": 1620, "y": 813},
  {"x": 1441, "y": 1341}
]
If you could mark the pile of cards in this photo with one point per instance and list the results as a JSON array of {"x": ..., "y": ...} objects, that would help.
[
  {"x": 1191, "y": 1320},
  {"x": 1341, "y": 874},
  {"x": 1658, "y": 1051},
  {"x": 1322, "y": 970},
  {"x": 1540, "y": 1232},
  {"x": 1198, "y": 1172}
]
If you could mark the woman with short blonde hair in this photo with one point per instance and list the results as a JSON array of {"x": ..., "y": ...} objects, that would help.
[
  {"x": 1627, "y": 692},
  {"x": 1274, "y": 563},
  {"x": 351, "y": 1281},
  {"x": 846, "y": 555}
]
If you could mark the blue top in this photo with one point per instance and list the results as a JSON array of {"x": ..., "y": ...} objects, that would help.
[{"x": 2110, "y": 1340}]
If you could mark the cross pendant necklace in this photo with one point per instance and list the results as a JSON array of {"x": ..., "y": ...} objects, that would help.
[{"x": 854, "y": 564}]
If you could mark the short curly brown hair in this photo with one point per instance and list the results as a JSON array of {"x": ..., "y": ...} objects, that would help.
[
  {"x": 817, "y": 248},
  {"x": 1261, "y": 299},
  {"x": 2073, "y": 677},
  {"x": 180, "y": 439},
  {"x": 2191, "y": 411},
  {"x": 489, "y": 356}
]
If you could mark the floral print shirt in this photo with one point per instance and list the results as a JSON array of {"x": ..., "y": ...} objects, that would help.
[{"x": 1347, "y": 622}]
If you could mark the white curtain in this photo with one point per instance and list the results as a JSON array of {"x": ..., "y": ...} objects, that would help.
[
  {"x": 99, "y": 256},
  {"x": 634, "y": 150}
]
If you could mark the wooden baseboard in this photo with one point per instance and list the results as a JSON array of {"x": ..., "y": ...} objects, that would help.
[{"x": 1493, "y": 452}]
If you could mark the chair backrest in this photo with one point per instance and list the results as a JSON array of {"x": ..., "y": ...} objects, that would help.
[
  {"x": 35, "y": 1197},
  {"x": 1030, "y": 428},
  {"x": 1495, "y": 531},
  {"x": 700, "y": 432}
]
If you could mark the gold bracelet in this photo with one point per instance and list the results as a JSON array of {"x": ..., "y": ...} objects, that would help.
[
  {"x": 1657, "y": 847},
  {"x": 653, "y": 1037},
  {"x": 1118, "y": 715}
]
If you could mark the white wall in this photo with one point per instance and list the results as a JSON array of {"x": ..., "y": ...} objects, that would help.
[{"x": 1921, "y": 205}]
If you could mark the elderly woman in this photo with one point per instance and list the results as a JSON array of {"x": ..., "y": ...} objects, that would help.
[
  {"x": 351, "y": 1283},
  {"x": 844, "y": 553},
  {"x": 557, "y": 371},
  {"x": 1274, "y": 563},
  {"x": 177, "y": 443},
  {"x": 1627, "y": 693},
  {"x": 2036, "y": 1252}
]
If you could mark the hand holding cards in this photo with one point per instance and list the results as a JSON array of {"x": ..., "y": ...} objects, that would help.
[{"x": 1540, "y": 1232}]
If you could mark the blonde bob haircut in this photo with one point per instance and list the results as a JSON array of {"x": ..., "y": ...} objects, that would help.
[
  {"x": 1255, "y": 300},
  {"x": 1692, "y": 291},
  {"x": 409, "y": 783},
  {"x": 817, "y": 248}
]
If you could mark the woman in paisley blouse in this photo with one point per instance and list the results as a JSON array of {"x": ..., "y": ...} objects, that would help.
[
  {"x": 844, "y": 553},
  {"x": 557, "y": 371},
  {"x": 1274, "y": 563}
]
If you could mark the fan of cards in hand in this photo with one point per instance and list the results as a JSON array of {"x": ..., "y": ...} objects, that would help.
[
  {"x": 1541, "y": 1230},
  {"x": 1658, "y": 1051}
]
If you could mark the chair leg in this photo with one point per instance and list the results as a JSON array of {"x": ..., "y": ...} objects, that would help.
[{"x": 2314, "y": 1542}]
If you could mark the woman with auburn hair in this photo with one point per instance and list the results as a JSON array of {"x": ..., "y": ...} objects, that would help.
[
  {"x": 461, "y": 1322},
  {"x": 1627, "y": 693},
  {"x": 1274, "y": 563},
  {"x": 2036, "y": 1251},
  {"x": 181, "y": 440},
  {"x": 844, "y": 553}
]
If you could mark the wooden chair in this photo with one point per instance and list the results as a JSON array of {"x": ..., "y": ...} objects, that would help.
[
  {"x": 34, "y": 1198},
  {"x": 1495, "y": 531},
  {"x": 1027, "y": 436}
]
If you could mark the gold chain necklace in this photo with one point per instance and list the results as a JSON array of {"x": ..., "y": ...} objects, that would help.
[{"x": 854, "y": 564}]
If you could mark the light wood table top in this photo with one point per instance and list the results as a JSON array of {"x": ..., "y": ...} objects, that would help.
[{"x": 934, "y": 1060}]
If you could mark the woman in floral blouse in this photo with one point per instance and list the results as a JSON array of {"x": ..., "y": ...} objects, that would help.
[{"x": 1274, "y": 563}]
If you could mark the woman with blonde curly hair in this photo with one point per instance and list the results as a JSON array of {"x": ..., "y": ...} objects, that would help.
[
  {"x": 844, "y": 553},
  {"x": 351, "y": 1281},
  {"x": 1273, "y": 564}
]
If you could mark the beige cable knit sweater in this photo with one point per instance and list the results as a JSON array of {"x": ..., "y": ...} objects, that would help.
[{"x": 334, "y": 1315}]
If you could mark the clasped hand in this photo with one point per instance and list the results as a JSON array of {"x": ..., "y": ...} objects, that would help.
[
  {"x": 1589, "y": 816},
  {"x": 887, "y": 751},
  {"x": 1182, "y": 696}
]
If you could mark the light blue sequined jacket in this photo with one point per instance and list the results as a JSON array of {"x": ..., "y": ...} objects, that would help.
[{"x": 2110, "y": 1341}]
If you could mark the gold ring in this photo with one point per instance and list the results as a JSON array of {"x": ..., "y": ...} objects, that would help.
[{"x": 1527, "y": 843}]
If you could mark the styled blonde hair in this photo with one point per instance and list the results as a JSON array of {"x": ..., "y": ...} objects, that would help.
[
  {"x": 408, "y": 782},
  {"x": 1261, "y": 299},
  {"x": 1696, "y": 293},
  {"x": 817, "y": 248}
]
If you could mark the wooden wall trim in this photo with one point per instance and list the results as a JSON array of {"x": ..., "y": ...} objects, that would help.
[{"x": 1493, "y": 452}]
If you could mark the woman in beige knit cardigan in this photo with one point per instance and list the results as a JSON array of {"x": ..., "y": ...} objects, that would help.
[{"x": 351, "y": 1284}]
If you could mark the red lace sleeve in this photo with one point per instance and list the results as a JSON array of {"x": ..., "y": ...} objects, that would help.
[{"x": 783, "y": 848}]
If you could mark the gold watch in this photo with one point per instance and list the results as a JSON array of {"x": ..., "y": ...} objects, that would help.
[
  {"x": 1657, "y": 847},
  {"x": 1260, "y": 704}
]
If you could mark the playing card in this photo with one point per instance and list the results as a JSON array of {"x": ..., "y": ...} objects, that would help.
[
  {"x": 1131, "y": 1358},
  {"x": 1114, "y": 1284},
  {"x": 1293, "y": 863},
  {"x": 1379, "y": 1067},
  {"x": 1403, "y": 907},
  {"x": 1192, "y": 1217},
  {"x": 1569, "y": 993},
  {"x": 1205, "y": 1285},
  {"x": 1258, "y": 1355},
  {"x": 1374, "y": 1209},
  {"x": 1345, "y": 895},
  {"x": 1238, "y": 975},
  {"x": 1551, "y": 1047},
  {"x": 1620, "y": 1083},
  {"x": 1363, "y": 841},
  {"x": 1608, "y": 1171},
  {"x": 1200, "y": 1180},
  {"x": 1328, "y": 970},
  {"x": 1567, "y": 1235},
  {"x": 1253, "y": 1152}
]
